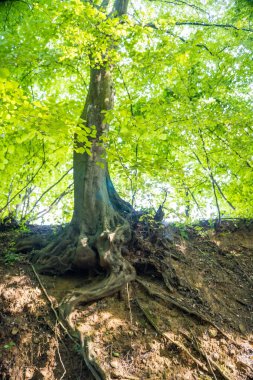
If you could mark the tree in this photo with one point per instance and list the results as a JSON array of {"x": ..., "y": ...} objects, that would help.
[
  {"x": 99, "y": 227},
  {"x": 180, "y": 104}
]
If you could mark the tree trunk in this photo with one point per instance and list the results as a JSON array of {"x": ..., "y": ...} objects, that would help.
[
  {"x": 97, "y": 208},
  {"x": 99, "y": 226}
]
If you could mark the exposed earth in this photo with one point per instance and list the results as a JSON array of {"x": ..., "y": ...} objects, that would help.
[{"x": 189, "y": 314}]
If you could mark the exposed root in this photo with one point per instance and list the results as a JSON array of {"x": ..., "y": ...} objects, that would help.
[
  {"x": 56, "y": 257},
  {"x": 159, "y": 269},
  {"x": 212, "y": 363},
  {"x": 106, "y": 287},
  {"x": 170, "y": 299},
  {"x": 30, "y": 243},
  {"x": 122, "y": 272},
  {"x": 51, "y": 303},
  {"x": 77, "y": 249},
  {"x": 167, "y": 337},
  {"x": 89, "y": 358},
  {"x": 86, "y": 343}
]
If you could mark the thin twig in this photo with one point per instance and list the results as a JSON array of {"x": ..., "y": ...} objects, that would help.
[
  {"x": 24, "y": 187},
  {"x": 211, "y": 362},
  {"x": 47, "y": 190},
  {"x": 63, "y": 366},
  {"x": 129, "y": 304},
  {"x": 204, "y": 24},
  {"x": 51, "y": 304}
]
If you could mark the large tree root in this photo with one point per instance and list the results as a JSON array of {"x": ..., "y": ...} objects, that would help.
[
  {"x": 74, "y": 250},
  {"x": 90, "y": 359},
  {"x": 107, "y": 286},
  {"x": 86, "y": 343},
  {"x": 97, "y": 290},
  {"x": 168, "y": 299},
  {"x": 211, "y": 363},
  {"x": 181, "y": 346},
  {"x": 60, "y": 255}
]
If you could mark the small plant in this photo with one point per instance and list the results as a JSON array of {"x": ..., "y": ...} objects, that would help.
[
  {"x": 184, "y": 234},
  {"x": 23, "y": 227},
  {"x": 201, "y": 231},
  {"x": 10, "y": 258},
  {"x": 182, "y": 231},
  {"x": 9, "y": 345},
  {"x": 77, "y": 348}
]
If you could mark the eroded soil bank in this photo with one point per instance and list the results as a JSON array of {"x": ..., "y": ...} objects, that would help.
[{"x": 188, "y": 315}]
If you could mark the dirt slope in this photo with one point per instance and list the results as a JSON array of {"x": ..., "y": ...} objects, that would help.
[{"x": 188, "y": 315}]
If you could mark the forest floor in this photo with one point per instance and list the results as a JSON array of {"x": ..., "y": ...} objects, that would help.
[{"x": 189, "y": 314}]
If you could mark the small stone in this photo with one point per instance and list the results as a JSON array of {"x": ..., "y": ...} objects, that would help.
[
  {"x": 232, "y": 352},
  {"x": 212, "y": 332},
  {"x": 230, "y": 366},
  {"x": 14, "y": 331},
  {"x": 29, "y": 372},
  {"x": 114, "y": 364},
  {"x": 242, "y": 328},
  {"x": 116, "y": 375},
  {"x": 216, "y": 355}
]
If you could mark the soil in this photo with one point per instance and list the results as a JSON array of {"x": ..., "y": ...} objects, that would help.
[{"x": 187, "y": 316}]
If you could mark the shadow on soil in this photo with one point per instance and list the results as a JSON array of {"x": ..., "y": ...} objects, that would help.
[{"x": 187, "y": 316}]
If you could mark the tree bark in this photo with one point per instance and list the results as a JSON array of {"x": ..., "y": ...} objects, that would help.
[
  {"x": 97, "y": 207},
  {"x": 99, "y": 227}
]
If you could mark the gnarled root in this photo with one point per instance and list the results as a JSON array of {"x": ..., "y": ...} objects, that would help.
[
  {"x": 112, "y": 283},
  {"x": 75, "y": 251},
  {"x": 89, "y": 358},
  {"x": 67, "y": 252}
]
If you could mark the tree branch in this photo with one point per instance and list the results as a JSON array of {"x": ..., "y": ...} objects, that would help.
[
  {"x": 47, "y": 190},
  {"x": 204, "y": 24},
  {"x": 181, "y": 2},
  {"x": 40, "y": 214},
  {"x": 210, "y": 174},
  {"x": 120, "y": 7},
  {"x": 24, "y": 187}
]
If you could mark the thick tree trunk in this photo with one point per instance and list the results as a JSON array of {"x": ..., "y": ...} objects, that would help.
[
  {"x": 99, "y": 226},
  {"x": 97, "y": 208}
]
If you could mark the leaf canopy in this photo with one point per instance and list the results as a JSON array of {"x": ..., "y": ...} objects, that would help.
[{"x": 182, "y": 121}]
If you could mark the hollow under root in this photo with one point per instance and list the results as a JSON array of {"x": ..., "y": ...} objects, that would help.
[
  {"x": 72, "y": 251},
  {"x": 109, "y": 285},
  {"x": 67, "y": 252}
]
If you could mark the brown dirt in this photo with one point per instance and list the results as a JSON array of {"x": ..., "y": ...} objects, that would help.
[{"x": 197, "y": 326}]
